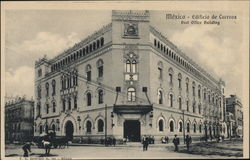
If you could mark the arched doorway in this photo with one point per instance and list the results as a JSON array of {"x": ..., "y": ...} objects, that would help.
[{"x": 69, "y": 130}]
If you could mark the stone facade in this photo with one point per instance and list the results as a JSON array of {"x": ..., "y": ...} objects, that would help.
[
  {"x": 235, "y": 116},
  {"x": 19, "y": 120},
  {"x": 126, "y": 80}
]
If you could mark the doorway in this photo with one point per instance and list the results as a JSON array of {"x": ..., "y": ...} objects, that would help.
[
  {"x": 69, "y": 128},
  {"x": 132, "y": 130}
]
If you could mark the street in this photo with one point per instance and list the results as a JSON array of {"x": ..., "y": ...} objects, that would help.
[{"x": 134, "y": 150}]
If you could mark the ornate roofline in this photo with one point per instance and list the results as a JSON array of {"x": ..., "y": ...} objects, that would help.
[
  {"x": 177, "y": 50},
  {"x": 83, "y": 42}
]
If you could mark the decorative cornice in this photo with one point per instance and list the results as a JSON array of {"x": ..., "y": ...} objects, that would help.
[
  {"x": 82, "y": 43},
  {"x": 130, "y": 15},
  {"x": 183, "y": 55}
]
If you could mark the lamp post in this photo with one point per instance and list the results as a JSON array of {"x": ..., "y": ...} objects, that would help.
[
  {"x": 183, "y": 126},
  {"x": 79, "y": 121},
  {"x": 105, "y": 124}
]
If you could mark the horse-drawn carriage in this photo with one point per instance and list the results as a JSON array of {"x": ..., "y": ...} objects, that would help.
[{"x": 55, "y": 142}]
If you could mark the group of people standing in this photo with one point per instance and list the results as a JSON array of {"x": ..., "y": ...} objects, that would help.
[{"x": 176, "y": 141}]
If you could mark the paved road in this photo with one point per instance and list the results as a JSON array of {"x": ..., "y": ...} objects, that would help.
[{"x": 100, "y": 152}]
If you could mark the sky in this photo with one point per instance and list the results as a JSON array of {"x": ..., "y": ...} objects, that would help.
[{"x": 31, "y": 34}]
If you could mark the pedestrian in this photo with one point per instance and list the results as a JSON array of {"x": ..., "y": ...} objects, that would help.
[
  {"x": 47, "y": 146},
  {"x": 176, "y": 142},
  {"x": 26, "y": 148},
  {"x": 166, "y": 139},
  {"x": 114, "y": 141},
  {"x": 153, "y": 139},
  {"x": 163, "y": 140},
  {"x": 188, "y": 141},
  {"x": 145, "y": 142}
]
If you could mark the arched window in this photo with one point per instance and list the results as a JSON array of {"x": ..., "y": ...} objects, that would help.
[
  {"x": 171, "y": 125},
  {"x": 39, "y": 92},
  {"x": 180, "y": 103},
  {"x": 180, "y": 126},
  {"x": 46, "y": 128},
  {"x": 187, "y": 105},
  {"x": 158, "y": 45},
  {"x": 194, "y": 128},
  {"x": 200, "y": 128},
  {"x": 100, "y": 125},
  {"x": 199, "y": 91},
  {"x": 100, "y": 96},
  {"x": 171, "y": 99},
  {"x": 88, "y": 72},
  {"x": 75, "y": 102},
  {"x": 102, "y": 41},
  {"x": 54, "y": 106},
  {"x": 170, "y": 75},
  {"x": 47, "y": 108},
  {"x": 179, "y": 80},
  {"x": 63, "y": 104},
  {"x": 160, "y": 96},
  {"x": 161, "y": 125},
  {"x": 194, "y": 89},
  {"x": 194, "y": 110},
  {"x": 133, "y": 66},
  {"x": 155, "y": 43},
  {"x": 69, "y": 104},
  {"x": 88, "y": 99},
  {"x": 188, "y": 127},
  {"x": 87, "y": 49},
  {"x": 47, "y": 89},
  {"x": 131, "y": 94},
  {"x": 128, "y": 66},
  {"x": 53, "y": 87},
  {"x": 199, "y": 108},
  {"x": 100, "y": 68},
  {"x": 53, "y": 127},
  {"x": 41, "y": 129},
  {"x": 90, "y": 48},
  {"x": 98, "y": 44},
  {"x": 94, "y": 46},
  {"x": 89, "y": 126}
]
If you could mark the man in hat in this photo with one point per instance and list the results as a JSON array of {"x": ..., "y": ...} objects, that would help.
[{"x": 176, "y": 142}]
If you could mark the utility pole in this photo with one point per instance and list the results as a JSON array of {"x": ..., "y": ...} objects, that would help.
[
  {"x": 105, "y": 125},
  {"x": 183, "y": 127}
]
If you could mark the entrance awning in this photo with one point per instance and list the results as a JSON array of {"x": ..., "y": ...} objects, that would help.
[{"x": 133, "y": 109}]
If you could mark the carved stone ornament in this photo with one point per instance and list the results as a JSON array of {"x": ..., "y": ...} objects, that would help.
[{"x": 131, "y": 30}]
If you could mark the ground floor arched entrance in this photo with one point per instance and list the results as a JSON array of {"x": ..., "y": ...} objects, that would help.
[
  {"x": 69, "y": 130},
  {"x": 132, "y": 130}
]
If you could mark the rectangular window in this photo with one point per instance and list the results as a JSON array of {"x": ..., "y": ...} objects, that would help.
[{"x": 187, "y": 106}]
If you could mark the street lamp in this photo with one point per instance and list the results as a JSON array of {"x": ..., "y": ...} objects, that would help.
[
  {"x": 58, "y": 122},
  {"x": 79, "y": 121}
]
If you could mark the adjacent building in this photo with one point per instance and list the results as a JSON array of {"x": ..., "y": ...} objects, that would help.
[
  {"x": 126, "y": 80},
  {"x": 19, "y": 120},
  {"x": 235, "y": 116}
]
